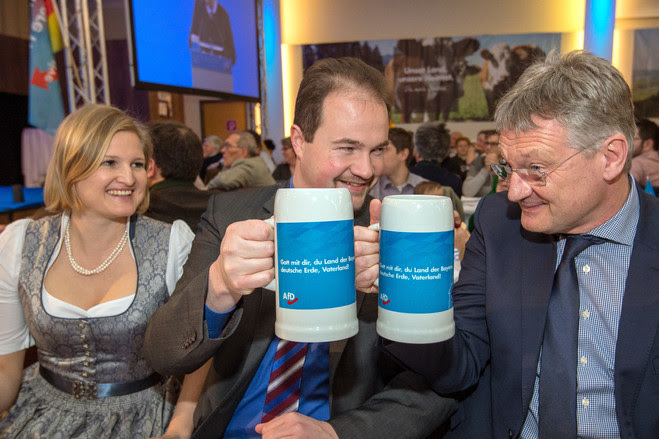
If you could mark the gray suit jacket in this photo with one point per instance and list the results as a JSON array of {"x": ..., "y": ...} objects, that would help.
[
  {"x": 243, "y": 173},
  {"x": 371, "y": 395}
]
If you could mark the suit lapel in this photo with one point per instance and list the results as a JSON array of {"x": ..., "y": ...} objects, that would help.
[{"x": 640, "y": 308}]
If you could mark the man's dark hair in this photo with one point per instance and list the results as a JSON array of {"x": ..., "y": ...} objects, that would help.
[
  {"x": 329, "y": 75},
  {"x": 648, "y": 130},
  {"x": 269, "y": 144},
  {"x": 176, "y": 150},
  {"x": 432, "y": 141},
  {"x": 402, "y": 139}
]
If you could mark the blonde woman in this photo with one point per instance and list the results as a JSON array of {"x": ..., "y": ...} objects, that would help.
[{"x": 81, "y": 285}]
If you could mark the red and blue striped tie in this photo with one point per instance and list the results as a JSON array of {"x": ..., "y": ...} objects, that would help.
[{"x": 283, "y": 395}]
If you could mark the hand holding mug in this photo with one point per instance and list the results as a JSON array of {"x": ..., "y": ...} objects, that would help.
[
  {"x": 245, "y": 263},
  {"x": 314, "y": 265},
  {"x": 416, "y": 269},
  {"x": 367, "y": 252}
]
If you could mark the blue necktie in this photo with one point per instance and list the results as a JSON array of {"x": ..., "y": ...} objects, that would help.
[{"x": 558, "y": 371}]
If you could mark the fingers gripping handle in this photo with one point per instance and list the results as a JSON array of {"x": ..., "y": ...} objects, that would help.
[
  {"x": 272, "y": 286},
  {"x": 376, "y": 227}
]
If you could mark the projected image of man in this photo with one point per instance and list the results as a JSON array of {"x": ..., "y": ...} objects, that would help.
[{"x": 211, "y": 32}]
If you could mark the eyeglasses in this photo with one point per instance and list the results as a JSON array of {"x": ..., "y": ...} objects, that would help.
[
  {"x": 533, "y": 176},
  {"x": 227, "y": 145}
]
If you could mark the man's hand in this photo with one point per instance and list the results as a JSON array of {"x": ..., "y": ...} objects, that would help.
[
  {"x": 491, "y": 158},
  {"x": 245, "y": 262},
  {"x": 471, "y": 154},
  {"x": 367, "y": 252},
  {"x": 295, "y": 425}
]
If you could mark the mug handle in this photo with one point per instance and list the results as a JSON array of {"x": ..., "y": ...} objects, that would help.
[
  {"x": 376, "y": 227},
  {"x": 272, "y": 286}
]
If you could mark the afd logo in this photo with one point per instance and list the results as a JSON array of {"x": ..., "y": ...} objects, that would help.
[
  {"x": 385, "y": 300},
  {"x": 289, "y": 298}
]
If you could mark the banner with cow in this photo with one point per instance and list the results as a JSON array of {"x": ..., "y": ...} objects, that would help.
[
  {"x": 645, "y": 82},
  {"x": 447, "y": 78}
]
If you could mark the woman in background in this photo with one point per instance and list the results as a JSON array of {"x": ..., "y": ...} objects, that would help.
[{"x": 82, "y": 284}]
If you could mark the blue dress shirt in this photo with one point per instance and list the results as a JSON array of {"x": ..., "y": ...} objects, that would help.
[{"x": 602, "y": 274}]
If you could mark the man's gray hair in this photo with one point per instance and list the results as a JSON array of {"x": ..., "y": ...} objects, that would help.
[
  {"x": 215, "y": 142},
  {"x": 246, "y": 140},
  {"x": 585, "y": 94},
  {"x": 432, "y": 141}
]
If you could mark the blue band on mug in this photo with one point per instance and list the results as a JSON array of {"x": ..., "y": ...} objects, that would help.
[
  {"x": 314, "y": 272},
  {"x": 416, "y": 271}
]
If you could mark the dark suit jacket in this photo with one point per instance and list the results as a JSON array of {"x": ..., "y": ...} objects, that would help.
[
  {"x": 371, "y": 395},
  {"x": 500, "y": 309},
  {"x": 434, "y": 171},
  {"x": 172, "y": 199}
]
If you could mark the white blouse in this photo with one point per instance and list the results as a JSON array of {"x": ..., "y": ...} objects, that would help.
[{"x": 14, "y": 334}]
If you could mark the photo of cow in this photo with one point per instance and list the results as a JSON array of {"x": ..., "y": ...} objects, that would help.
[
  {"x": 425, "y": 77},
  {"x": 502, "y": 67},
  {"x": 444, "y": 78}
]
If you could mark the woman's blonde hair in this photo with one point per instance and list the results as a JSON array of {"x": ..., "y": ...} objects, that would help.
[{"x": 80, "y": 144}]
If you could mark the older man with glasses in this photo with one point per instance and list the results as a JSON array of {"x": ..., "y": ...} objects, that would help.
[
  {"x": 557, "y": 306},
  {"x": 242, "y": 165},
  {"x": 479, "y": 181}
]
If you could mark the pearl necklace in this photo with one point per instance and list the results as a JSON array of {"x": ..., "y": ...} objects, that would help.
[{"x": 105, "y": 264}]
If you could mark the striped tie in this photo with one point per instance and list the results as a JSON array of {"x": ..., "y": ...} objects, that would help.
[{"x": 283, "y": 395}]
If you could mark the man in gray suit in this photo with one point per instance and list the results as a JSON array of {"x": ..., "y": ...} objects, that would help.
[{"x": 219, "y": 310}]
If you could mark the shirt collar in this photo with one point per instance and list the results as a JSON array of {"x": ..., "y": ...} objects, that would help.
[
  {"x": 211, "y": 10},
  {"x": 388, "y": 183},
  {"x": 621, "y": 228}
]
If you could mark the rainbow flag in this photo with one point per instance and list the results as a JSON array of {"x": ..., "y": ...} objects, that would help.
[{"x": 46, "y": 109}]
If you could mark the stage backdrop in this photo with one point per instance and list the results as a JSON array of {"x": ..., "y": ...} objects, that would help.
[
  {"x": 645, "y": 79},
  {"x": 458, "y": 79}
]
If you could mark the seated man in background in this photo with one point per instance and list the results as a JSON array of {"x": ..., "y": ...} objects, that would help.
[
  {"x": 176, "y": 159},
  {"x": 243, "y": 167},
  {"x": 284, "y": 171},
  {"x": 480, "y": 176},
  {"x": 431, "y": 147},
  {"x": 396, "y": 178},
  {"x": 457, "y": 163},
  {"x": 453, "y": 143},
  {"x": 264, "y": 152},
  {"x": 211, "y": 147},
  {"x": 645, "y": 163},
  {"x": 220, "y": 309}
]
